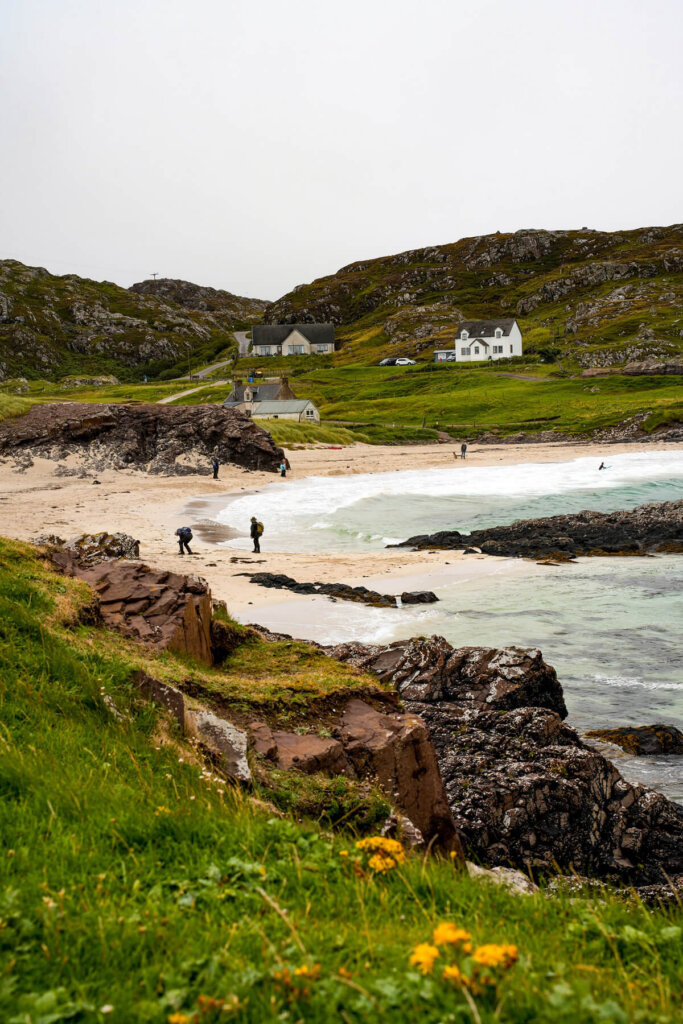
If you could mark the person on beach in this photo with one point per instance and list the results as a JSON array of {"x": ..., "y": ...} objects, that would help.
[
  {"x": 283, "y": 468},
  {"x": 255, "y": 533},
  {"x": 463, "y": 450},
  {"x": 184, "y": 535},
  {"x": 214, "y": 466}
]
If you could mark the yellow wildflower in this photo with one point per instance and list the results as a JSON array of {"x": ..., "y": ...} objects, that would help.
[
  {"x": 344, "y": 972},
  {"x": 178, "y": 1018},
  {"x": 343, "y": 853},
  {"x": 447, "y": 934},
  {"x": 494, "y": 955},
  {"x": 454, "y": 974},
  {"x": 386, "y": 853},
  {"x": 307, "y": 972},
  {"x": 423, "y": 957}
]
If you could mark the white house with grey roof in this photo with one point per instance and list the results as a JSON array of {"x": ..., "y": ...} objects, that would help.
[
  {"x": 480, "y": 340},
  {"x": 300, "y": 410},
  {"x": 292, "y": 339}
]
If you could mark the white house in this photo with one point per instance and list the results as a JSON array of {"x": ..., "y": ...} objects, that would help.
[
  {"x": 292, "y": 339},
  {"x": 301, "y": 410},
  {"x": 479, "y": 340}
]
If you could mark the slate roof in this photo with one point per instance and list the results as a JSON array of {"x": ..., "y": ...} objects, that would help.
[
  {"x": 275, "y": 408},
  {"x": 275, "y": 334},
  {"x": 485, "y": 328},
  {"x": 260, "y": 392}
]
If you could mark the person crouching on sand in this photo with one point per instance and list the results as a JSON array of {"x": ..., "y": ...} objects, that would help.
[
  {"x": 184, "y": 535},
  {"x": 255, "y": 533}
]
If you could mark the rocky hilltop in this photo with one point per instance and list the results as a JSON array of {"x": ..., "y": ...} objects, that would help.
[
  {"x": 637, "y": 531},
  {"x": 166, "y": 439},
  {"x": 198, "y": 297},
  {"x": 604, "y": 297},
  {"x": 51, "y": 326}
]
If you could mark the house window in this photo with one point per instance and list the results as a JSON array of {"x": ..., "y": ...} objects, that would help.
[
  {"x": 464, "y": 335},
  {"x": 511, "y": 348},
  {"x": 499, "y": 333},
  {"x": 321, "y": 348},
  {"x": 309, "y": 413},
  {"x": 476, "y": 351},
  {"x": 264, "y": 350},
  {"x": 464, "y": 351},
  {"x": 296, "y": 350}
]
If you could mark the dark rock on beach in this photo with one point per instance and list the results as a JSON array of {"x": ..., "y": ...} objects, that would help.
[
  {"x": 524, "y": 790},
  {"x": 279, "y": 581},
  {"x": 643, "y": 740},
  {"x": 418, "y": 597},
  {"x": 163, "y": 439},
  {"x": 638, "y": 531}
]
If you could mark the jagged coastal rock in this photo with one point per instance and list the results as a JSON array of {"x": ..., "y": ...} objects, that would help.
[
  {"x": 163, "y": 439},
  {"x": 524, "y": 790},
  {"x": 643, "y": 740},
  {"x": 637, "y": 531}
]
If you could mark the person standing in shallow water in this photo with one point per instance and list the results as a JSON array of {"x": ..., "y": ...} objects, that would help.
[{"x": 255, "y": 535}]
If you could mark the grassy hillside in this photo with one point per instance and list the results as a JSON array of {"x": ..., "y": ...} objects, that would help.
[
  {"x": 52, "y": 326},
  {"x": 471, "y": 400},
  {"x": 598, "y": 298},
  {"x": 135, "y": 885}
]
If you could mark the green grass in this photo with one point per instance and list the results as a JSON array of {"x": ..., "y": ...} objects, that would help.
[
  {"x": 131, "y": 889},
  {"x": 11, "y": 406}
]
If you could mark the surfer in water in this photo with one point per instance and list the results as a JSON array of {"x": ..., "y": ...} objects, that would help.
[{"x": 602, "y": 466}]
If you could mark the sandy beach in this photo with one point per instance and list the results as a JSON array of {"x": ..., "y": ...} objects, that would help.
[{"x": 41, "y": 500}]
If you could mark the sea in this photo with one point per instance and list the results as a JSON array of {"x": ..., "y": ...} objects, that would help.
[{"x": 609, "y": 626}]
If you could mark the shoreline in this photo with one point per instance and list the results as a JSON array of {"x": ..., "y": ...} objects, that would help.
[{"x": 42, "y": 500}]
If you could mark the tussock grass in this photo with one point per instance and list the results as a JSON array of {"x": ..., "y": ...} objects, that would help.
[
  {"x": 134, "y": 889},
  {"x": 11, "y": 406}
]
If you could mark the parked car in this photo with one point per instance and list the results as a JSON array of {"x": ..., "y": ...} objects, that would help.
[
  {"x": 404, "y": 361},
  {"x": 391, "y": 361}
]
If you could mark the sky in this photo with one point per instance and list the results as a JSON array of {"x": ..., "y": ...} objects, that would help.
[{"x": 254, "y": 145}]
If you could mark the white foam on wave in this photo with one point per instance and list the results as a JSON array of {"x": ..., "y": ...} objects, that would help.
[
  {"x": 625, "y": 682},
  {"x": 313, "y": 498}
]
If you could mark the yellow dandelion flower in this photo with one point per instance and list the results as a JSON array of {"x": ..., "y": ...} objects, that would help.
[
  {"x": 343, "y": 853},
  {"x": 178, "y": 1018},
  {"x": 494, "y": 955},
  {"x": 454, "y": 974},
  {"x": 447, "y": 934},
  {"x": 423, "y": 957},
  {"x": 307, "y": 972}
]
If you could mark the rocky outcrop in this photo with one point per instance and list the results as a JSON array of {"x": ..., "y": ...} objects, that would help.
[
  {"x": 643, "y": 740},
  {"x": 637, "y": 531},
  {"x": 164, "y": 610},
  {"x": 647, "y": 368},
  {"x": 524, "y": 790},
  {"x": 385, "y": 746},
  {"x": 160, "y": 439},
  {"x": 202, "y": 298},
  {"x": 342, "y": 591}
]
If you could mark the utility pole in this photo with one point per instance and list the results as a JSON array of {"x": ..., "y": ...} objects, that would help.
[{"x": 154, "y": 276}]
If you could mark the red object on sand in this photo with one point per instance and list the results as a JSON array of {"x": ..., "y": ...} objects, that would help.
[{"x": 335, "y": 446}]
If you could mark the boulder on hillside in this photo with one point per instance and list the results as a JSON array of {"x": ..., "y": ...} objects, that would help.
[
  {"x": 163, "y": 439},
  {"x": 163, "y": 609}
]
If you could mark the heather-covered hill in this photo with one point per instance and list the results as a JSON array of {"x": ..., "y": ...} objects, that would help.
[
  {"x": 51, "y": 326},
  {"x": 603, "y": 298}
]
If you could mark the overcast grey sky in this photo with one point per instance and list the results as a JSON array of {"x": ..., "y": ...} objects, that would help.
[{"x": 256, "y": 144}]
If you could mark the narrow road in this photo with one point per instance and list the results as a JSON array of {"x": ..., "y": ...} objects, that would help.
[
  {"x": 180, "y": 394},
  {"x": 243, "y": 341}
]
